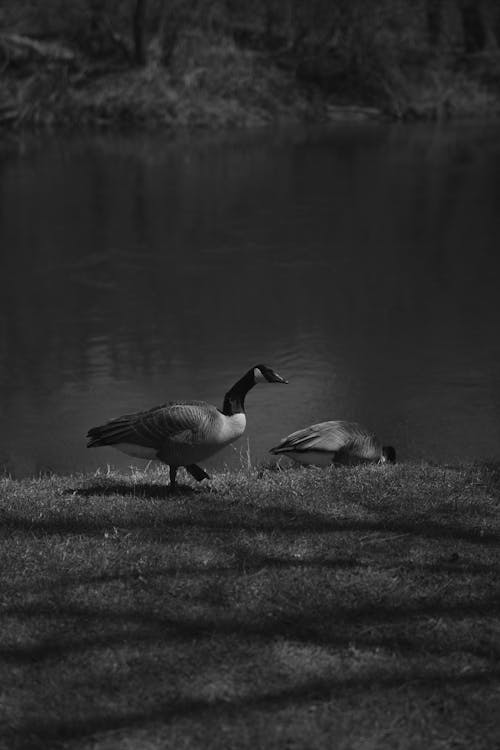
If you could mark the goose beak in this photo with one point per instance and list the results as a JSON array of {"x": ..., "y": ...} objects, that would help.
[{"x": 275, "y": 378}]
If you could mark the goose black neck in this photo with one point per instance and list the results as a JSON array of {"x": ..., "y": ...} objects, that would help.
[{"x": 234, "y": 400}]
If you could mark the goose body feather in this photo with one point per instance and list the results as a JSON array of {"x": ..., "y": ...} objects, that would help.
[
  {"x": 182, "y": 433},
  {"x": 335, "y": 441},
  {"x": 179, "y": 433}
]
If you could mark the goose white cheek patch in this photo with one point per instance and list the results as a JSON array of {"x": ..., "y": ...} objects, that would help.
[{"x": 258, "y": 376}]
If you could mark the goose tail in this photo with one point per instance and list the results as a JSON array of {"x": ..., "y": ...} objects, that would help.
[
  {"x": 277, "y": 449},
  {"x": 106, "y": 434}
]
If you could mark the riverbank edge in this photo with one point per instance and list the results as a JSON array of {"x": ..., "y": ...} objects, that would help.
[
  {"x": 227, "y": 88},
  {"x": 283, "y": 475}
]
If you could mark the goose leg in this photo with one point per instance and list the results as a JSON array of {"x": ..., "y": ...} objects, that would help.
[
  {"x": 173, "y": 472},
  {"x": 197, "y": 472}
]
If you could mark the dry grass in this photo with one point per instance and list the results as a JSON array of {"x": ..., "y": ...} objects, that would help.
[
  {"x": 210, "y": 83},
  {"x": 223, "y": 65},
  {"x": 350, "y": 608}
]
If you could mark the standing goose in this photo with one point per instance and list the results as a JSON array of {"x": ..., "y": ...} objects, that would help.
[
  {"x": 181, "y": 433},
  {"x": 334, "y": 442}
]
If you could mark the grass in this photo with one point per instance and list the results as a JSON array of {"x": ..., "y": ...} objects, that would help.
[
  {"x": 220, "y": 87},
  {"x": 348, "y": 608},
  {"x": 227, "y": 65},
  {"x": 212, "y": 82},
  {"x": 209, "y": 84}
]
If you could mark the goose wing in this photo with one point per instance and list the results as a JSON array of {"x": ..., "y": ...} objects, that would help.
[
  {"x": 175, "y": 422},
  {"x": 325, "y": 436}
]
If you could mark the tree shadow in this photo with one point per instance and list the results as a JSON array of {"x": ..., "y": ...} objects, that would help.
[
  {"x": 156, "y": 611},
  {"x": 43, "y": 733},
  {"x": 335, "y": 624},
  {"x": 325, "y": 623},
  {"x": 219, "y": 517},
  {"x": 273, "y": 519}
]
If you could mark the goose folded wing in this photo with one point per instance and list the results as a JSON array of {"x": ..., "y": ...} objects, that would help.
[
  {"x": 178, "y": 422},
  {"x": 324, "y": 436}
]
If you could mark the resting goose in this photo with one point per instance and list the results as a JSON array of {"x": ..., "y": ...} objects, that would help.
[
  {"x": 334, "y": 442},
  {"x": 181, "y": 433}
]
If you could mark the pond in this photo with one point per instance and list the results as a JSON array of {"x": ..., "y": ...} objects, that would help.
[{"x": 360, "y": 261}]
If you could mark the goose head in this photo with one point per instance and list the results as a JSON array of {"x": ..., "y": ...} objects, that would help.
[
  {"x": 265, "y": 374},
  {"x": 388, "y": 454}
]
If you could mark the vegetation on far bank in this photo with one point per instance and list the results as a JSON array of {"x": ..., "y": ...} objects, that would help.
[
  {"x": 346, "y": 608},
  {"x": 171, "y": 63}
]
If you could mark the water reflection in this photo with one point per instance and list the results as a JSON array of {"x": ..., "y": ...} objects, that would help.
[{"x": 360, "y": 262}]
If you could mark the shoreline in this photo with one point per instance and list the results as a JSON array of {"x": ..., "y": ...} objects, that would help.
[
  {"x": 272, "y": 468},
  {"x": 279, "y": 474},
  {"x": 224, "y": 87}
]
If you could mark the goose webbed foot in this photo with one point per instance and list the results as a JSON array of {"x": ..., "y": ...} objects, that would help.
[
  {"x": 197, "y": 472},
  {"x": 193, "y": 469}
]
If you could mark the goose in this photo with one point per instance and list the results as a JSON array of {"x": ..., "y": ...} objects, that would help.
[
  {"x": 182, "y": 433},
  {"x": 334, "y": 442}
]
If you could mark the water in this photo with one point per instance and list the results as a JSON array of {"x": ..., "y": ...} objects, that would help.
[{"x": 361, "y": 262}]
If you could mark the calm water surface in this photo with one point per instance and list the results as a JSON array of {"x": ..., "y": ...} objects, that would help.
[{"x": 362, "y": 263}]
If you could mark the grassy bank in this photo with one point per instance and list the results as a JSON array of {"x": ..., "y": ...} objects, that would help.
[
  {"x": 217, "y": 84},
  {"x": 97, "y": 63},
  {"x": 220, "y": 86},
  {"x": 350, "y": 608}
]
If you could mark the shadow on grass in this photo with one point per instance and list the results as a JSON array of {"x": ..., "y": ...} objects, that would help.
[
  {"x": 150, "y": 614},
  {"x": 218, "y": 517},
  {"x": 331, "y": 624},
  {"x": 38, "y": 734}
]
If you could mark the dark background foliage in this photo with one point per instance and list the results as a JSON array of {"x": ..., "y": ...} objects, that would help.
[{"x": 173, "y": 61}]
